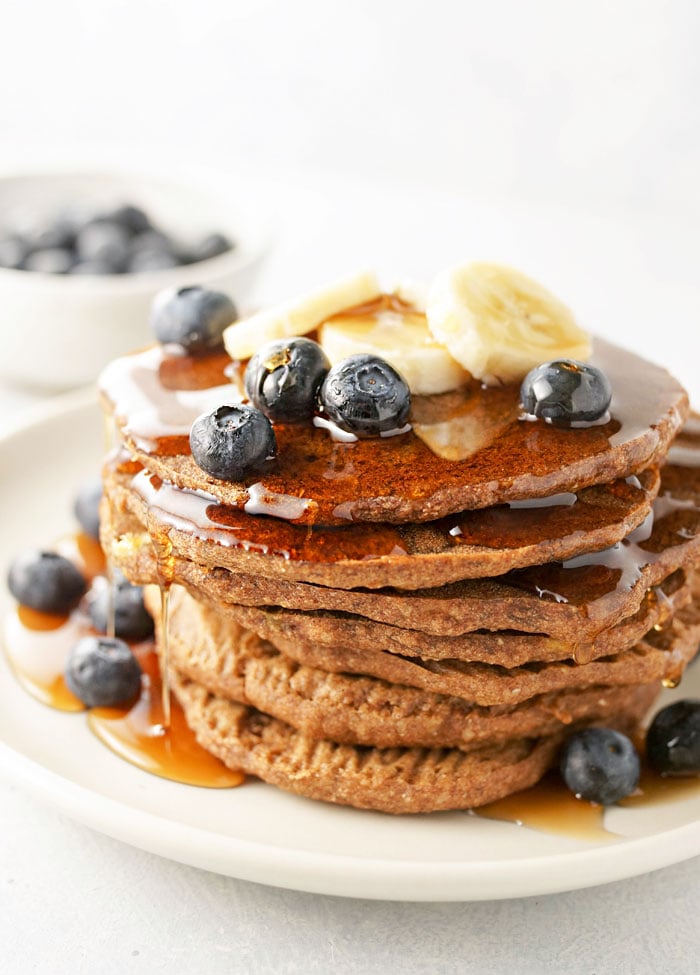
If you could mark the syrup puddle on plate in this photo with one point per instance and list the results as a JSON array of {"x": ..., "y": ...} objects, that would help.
[
  {"x": 140, "y": 735},
  {"x": 37, "y": 646},
  {"x": 549, "y": 807}
]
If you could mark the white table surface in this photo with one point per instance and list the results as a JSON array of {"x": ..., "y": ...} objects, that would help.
[{"x": 75, "y": 901}]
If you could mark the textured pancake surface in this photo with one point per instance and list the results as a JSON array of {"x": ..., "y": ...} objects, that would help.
[
  {"x": 393, "y": 780},
  {"x": 232, "y": 662}
]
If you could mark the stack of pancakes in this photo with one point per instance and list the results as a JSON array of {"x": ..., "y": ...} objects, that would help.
[{"x": 414, "y": 623}]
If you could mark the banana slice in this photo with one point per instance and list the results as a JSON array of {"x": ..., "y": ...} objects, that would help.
[
  {"x": 299, "y": 316},
  {"x": 499, "y": 324},
  {"x": 399, "y": 334}
]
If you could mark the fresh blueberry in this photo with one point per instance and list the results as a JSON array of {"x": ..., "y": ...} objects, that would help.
[
  {"x": 366, "y": 396},
  {"x": 103, "y": 672},
  {"x": 86, "y": 507},
  {"x": 95, "y": 267},
  {"x": 600, "y": 765},
  {"x": 59, "y": 233},
  {"x": 283, "y": 379},
  {"x": 673, "y": 739},
  {"x": 152, "y": 240},
  {"x": 103, "y": 240},
  {"x": 194, "y": 318},
  {"x": 52, "y": 261},
  {"x": 13, "y": 251},
  {"x": 152, "y": 250},
  {"x": 145, "y": 261},
  {"x": 46, "y": 581},
  {"x": 233, "y": 441},
  {"x": 132, "y": 218},
  {"x": 210, "y": 246},
  {"x": 131, "y": 619},
  {"x": 566, "y": 392}
]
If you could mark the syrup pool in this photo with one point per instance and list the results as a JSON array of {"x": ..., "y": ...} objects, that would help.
[{"x": 152, "y": 733}]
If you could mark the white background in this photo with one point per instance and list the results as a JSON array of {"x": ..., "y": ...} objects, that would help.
[
  {"x": 593, "y": 101},
  {"x": 563, "y": 137}
]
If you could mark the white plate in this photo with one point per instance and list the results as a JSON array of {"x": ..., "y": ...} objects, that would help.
[{"x": 257, "y": 832}]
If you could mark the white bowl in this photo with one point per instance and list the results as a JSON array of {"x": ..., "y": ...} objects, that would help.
[{"x": 58, "y": 331}]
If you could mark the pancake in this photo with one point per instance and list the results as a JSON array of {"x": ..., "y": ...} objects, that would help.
[
  {"x": 155, "y": 398},
  {"x": 392, "y": 780},
  {"x": 472, "y": 544},
  {"x": 232, "y": 662},
  {"x": 196, "y": 624},
  {"x": 286, "y": 628}
]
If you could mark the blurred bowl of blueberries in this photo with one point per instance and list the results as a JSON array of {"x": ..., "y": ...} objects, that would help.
[{"x": 82, "y": 256}]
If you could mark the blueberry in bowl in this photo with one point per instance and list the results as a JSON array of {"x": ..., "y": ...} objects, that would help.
[{"x": 63, "y": 328}]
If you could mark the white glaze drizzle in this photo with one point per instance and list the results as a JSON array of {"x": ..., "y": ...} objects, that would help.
[{"x": 132, "y": 384}]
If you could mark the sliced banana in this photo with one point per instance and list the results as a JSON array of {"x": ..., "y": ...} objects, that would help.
[
  {"x": 412, "y": 292},
  {"x": 499, "y": 324},
  {"x": 299, "y": 316},
  {"x": 401, "y": 336}
]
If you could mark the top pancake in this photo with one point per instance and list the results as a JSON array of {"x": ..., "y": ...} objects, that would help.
[{"x": 155, "y": 398}]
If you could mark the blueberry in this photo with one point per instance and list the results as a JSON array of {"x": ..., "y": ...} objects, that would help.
[
  {"x": 102, "y": 240},
  {"x": 132, "y": 218},
  {"x": 600, "y": 765},
  {"x": 46, "y": 581},
  {"x": 52, "y": 261},
  {"x": 144, "y": 261},
  {"x": 103, "y": 672},
  {"x": 210, "y": 246},
  {"x": 232, "y": 442},
  {"x": 60, "y": 233},
  {"x": 566, "y": 392},
  {"x": 283, "y": 379},
  {"x": 131, "y": 619},
  {"x": 86, "y": 507},
  {"x": 152, "y": 240},
  {"x": 673, "y": 739},
  {"x": 13, "y": 251},
  {"x": 366, "y": 396},
  {"x": 95, "y": 267},
  {"x": 194, "y": 318}
]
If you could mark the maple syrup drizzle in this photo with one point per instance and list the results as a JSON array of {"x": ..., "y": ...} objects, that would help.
[
  {"x": 200, "y": 514},
  {"x": 37, "y": 647},
  {"x": 528, "y": 522},
  {"x": 165, "y": 660},
  {"x": 165, "y": 571},
  {"x": 588, "y": 580},
  {"x": 157, "y": 395}
]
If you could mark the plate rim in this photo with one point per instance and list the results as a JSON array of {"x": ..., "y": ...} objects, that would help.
[{"x": 322, "y": 872}]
